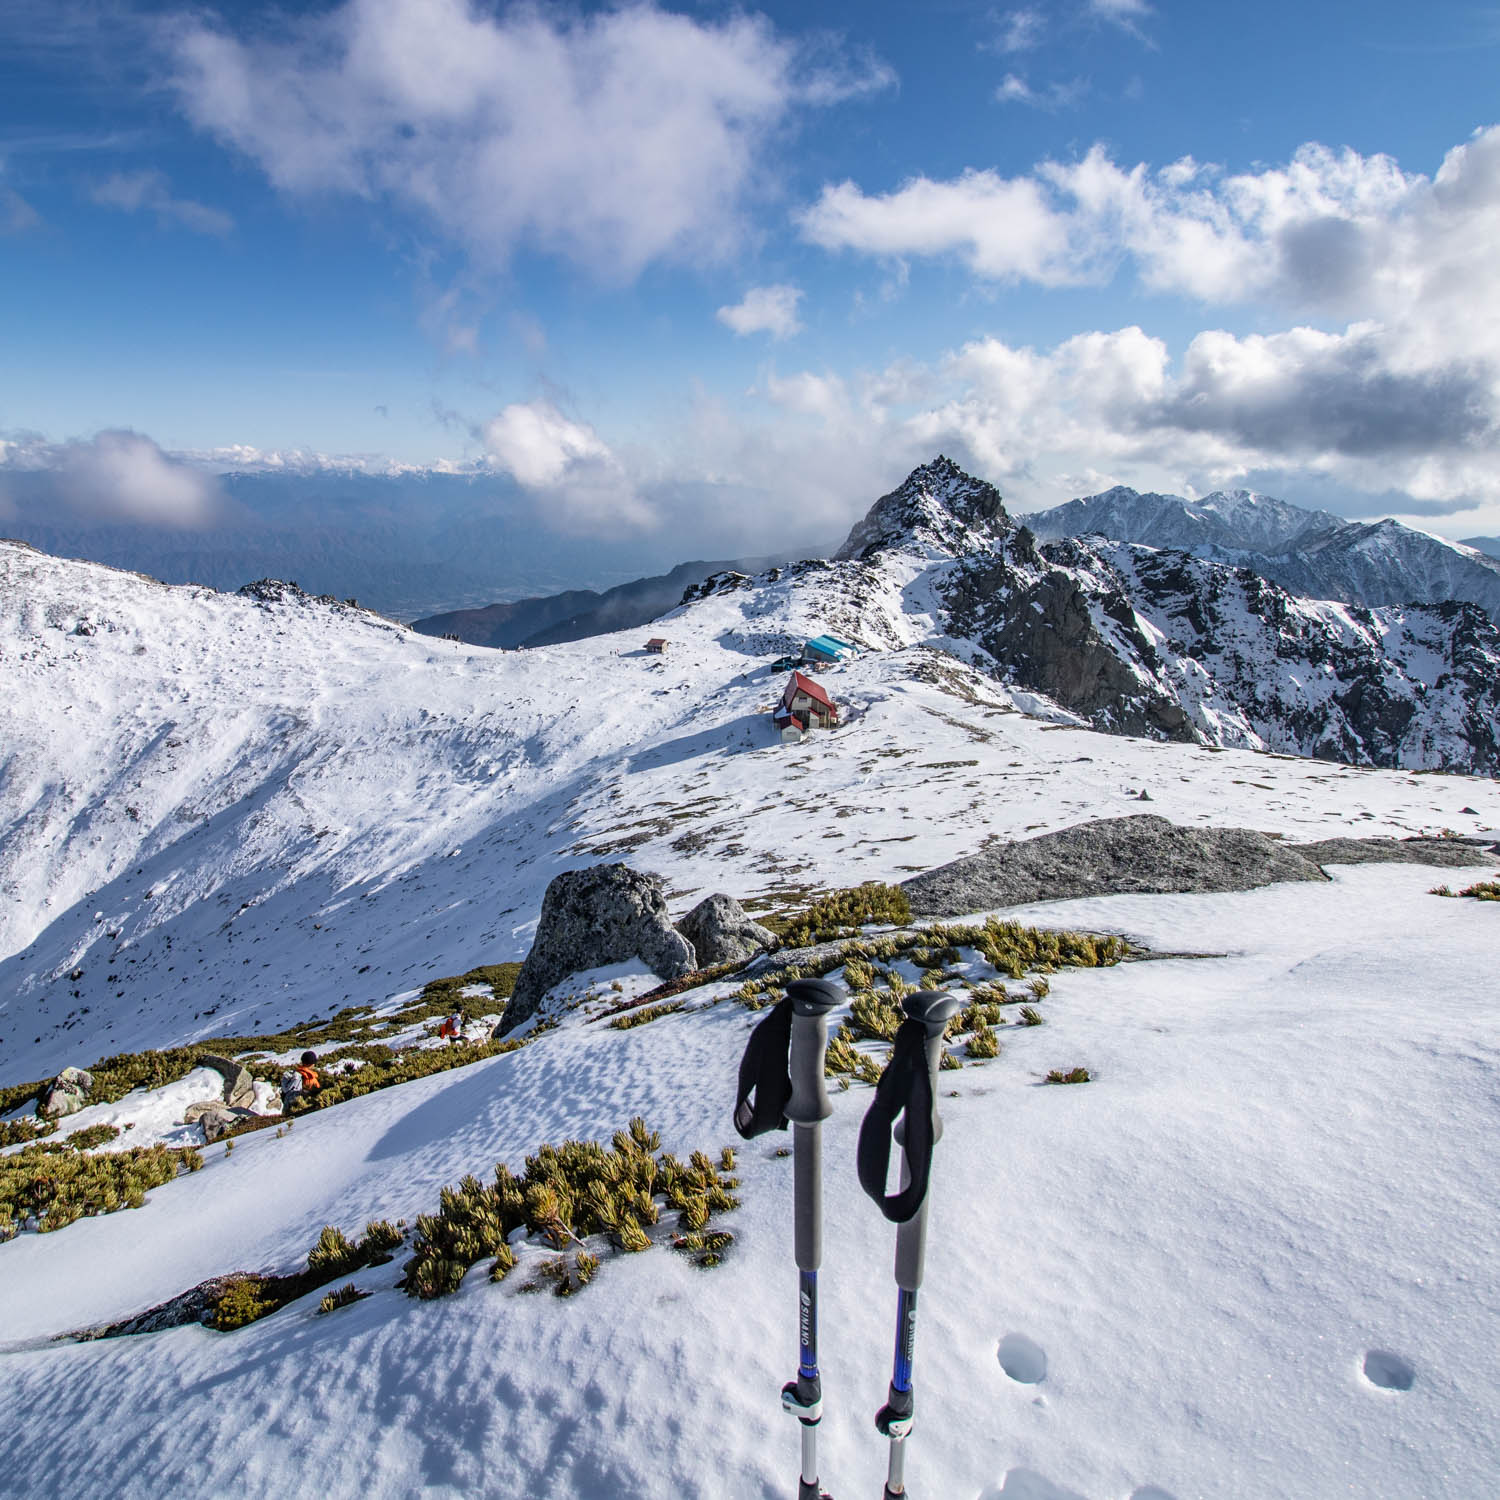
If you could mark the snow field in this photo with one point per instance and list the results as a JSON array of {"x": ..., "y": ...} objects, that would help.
[{"x": 1282, "y": 1168}]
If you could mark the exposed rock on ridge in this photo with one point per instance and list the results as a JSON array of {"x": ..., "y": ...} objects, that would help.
[
  {"x": 722, "y": 932},
  {"x": 1144, "y": 855},
  {"x": 594, "y": 917},
  {"x": 936, "y": 505},
  {"x": 1147, "y": 855}
]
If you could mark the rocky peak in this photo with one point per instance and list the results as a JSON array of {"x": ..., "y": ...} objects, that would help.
[{"x": 937, "y": 506}]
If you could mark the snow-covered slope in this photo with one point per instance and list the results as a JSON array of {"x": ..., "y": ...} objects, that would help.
[
  {"x": 1312, "y": 553},
  {"x": 219, "y": 812}
]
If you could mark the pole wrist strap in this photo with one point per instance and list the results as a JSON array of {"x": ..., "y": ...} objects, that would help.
[
  {"x": 765, "y": 1087},
  {"x": 904, "y": 1087}
]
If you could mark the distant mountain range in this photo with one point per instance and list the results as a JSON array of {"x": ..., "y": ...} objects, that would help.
[
  {"x": 576, "y": 614},
  {"x": 1308, "y": 552}
]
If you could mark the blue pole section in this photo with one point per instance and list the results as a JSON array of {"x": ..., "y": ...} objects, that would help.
[
  {"x": 807, "y": 1301},
  {"x": 906, "y": 1338}
]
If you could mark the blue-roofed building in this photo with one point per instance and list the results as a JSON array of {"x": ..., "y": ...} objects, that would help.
[{"x": 828, "y": 648}]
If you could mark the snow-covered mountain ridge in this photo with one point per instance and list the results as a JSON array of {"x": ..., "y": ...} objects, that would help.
[
  {"x": 1164, "y": 643},
  {"x": 222, "y": 811},
  {"x": 1309, "y": 552}
]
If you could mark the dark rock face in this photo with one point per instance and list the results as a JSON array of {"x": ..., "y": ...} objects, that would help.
[
  {"x": 1164, "y": 644},
  {"x": 721, "y": 932},
  {"x": 1145, "y": 855},
  {"x": 1048, "y": 642},
  {"x": 593, "y": 917},
  {"x": 239, "y": 1083}
]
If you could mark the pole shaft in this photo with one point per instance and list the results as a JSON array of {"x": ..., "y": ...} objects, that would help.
[{"x": 807, "y": 1187}]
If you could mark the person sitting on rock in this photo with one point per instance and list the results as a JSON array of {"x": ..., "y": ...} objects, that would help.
[{"x": 303, "y": 1079}]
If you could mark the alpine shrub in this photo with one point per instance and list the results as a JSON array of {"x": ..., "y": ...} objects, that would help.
[
  {"x": 342, "y": 1298},
  {"x": 564, "y": 1195}
]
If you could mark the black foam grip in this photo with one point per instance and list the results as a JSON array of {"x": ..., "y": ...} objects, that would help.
[
  {"x": 765, "y": 1075},
  {"x": 905, "y": 1086}
]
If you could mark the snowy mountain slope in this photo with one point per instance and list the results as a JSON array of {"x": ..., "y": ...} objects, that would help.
[
  {"x": 1188, "y": 1263},
  {"x": 1244, "y": 663},
  {"x": 1279, "y": 1168},
  {"x": 220, "y": 814},
  {"x": 1312, "y": 553}
]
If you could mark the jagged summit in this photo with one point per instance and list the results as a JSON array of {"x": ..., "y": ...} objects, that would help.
[{"x": 938, "y": 507}]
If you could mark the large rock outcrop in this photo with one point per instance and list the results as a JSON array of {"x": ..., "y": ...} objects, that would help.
[
  {"x": 593, "y": 917},
  {"x": 1144, "y": 855},
  {"x": 722, "y": 932}
]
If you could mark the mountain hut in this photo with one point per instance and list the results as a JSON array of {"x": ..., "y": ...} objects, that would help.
[
  {"x": 827, "y": 648},
  {"x": 804, "y": 705},
  {"x": 657, "y": 646}
]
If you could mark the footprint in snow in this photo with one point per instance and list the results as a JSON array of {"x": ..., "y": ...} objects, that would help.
[
  {"x": 1391, "y": 1372},
  {"x": 1023, "y": 1359}
]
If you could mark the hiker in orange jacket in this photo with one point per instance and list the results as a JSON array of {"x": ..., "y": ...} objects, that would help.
[
  {"x": 452, "y": 1029},
  {"x": 303, "y": 1079}
]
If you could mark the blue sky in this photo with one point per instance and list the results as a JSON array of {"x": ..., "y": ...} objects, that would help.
[{"x": 658, "y": 264}]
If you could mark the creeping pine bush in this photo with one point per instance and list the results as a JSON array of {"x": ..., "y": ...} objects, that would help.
[
  {"x": 23, "y": 1131},
  {"x": 983, "y": 1042},
  {"x": 1073, "y": 1075},
  {"x": 383, "y": 1067},
  {"x": 91, "y": 1136},
  {"x": 564, "y": 1195},
  {"x": 243, "y": 1301},
  {"x": 17, "y": 1094},
  {"x": 53, "y": 1185},
  {"x": 842, "y": 914},
  {"x": 342, "y": 1298},
  {"x": 634, "y": 1018},
  {"x": 247, "y": 1299}
]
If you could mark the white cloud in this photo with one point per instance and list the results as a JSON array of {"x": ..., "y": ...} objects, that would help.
[
  {"x": 1021, "y": 30},
  {"x": 116, "y": 476},
  {"x": 1128, "y": 15},
  {"x": 1407, "y": 395},
  {"x": 577, "y": 479},
  {"x": 962, "y": 217},
  {"x": 615, "y": 139},
  {"x": 130, "y": 192},
  {"x": 1013, "y": 89},
  {"x": 765, "y": 309}
]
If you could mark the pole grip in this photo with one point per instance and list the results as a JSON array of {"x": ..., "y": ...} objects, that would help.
[
  {"x": 934, "y": 1010},
  {"x": 811, "y": 999}
]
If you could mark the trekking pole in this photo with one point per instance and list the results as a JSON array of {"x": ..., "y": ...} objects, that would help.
[
  {"x": 783, "y": 1069},
  {"x": 907, "y": 1088}
]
